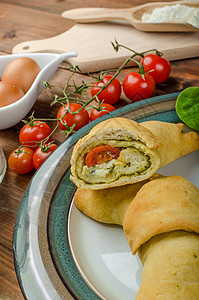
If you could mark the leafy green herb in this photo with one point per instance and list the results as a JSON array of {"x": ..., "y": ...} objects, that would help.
[{"x": 187, "y": 107}]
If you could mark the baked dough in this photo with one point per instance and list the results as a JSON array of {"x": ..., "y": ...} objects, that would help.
[
  {"x": 144, "y": 149},
  {"x": 162, "y": 205},
  {"x": 172, "y": 135},
  {"x": 170, "y": 267},
  {"x": 107, "y": 205},
  {"x": 162, "y": 224}
]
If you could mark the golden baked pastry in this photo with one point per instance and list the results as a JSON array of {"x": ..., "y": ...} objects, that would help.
[
  {"x": 107, "y": 205},
  {"x": 171, "y": 135},
  {"x": 162, "y": 224},
  {"x": 141, "y": 150},
  {"x": 170, "y": 267}
]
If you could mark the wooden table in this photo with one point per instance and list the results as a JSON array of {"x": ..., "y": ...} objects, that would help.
[{"x": 21, "y": 21}]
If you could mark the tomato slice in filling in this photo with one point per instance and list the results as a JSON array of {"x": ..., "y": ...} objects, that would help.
[{"x": 101, "y": 154}]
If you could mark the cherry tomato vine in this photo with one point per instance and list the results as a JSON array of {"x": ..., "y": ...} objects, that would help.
[{"x": 74, "y": 102}]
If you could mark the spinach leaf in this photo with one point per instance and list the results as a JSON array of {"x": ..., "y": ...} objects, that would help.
[{"x": 187, "y": 107}]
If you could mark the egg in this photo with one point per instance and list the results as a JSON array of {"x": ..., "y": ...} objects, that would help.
[
  {"x": 22, "y": 72},
  {"x": 9, "y": 93}
]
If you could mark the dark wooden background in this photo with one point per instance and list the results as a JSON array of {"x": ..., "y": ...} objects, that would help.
[{"x": 22, "y": 20}]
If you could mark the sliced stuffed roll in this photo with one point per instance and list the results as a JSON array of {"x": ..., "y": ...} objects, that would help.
[{"x": 120, "y": 151}]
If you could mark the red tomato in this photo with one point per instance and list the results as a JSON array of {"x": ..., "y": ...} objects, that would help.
[
  {"x": 105, "y": 109},
  {"x": 111, "y": 94},
  {"x": 20, "y": 160},
  {"x": 40, "y": 155},
  {"x": 161, "y": 67},
  {"x": 101, "y": 154},
  {"x": 136, "y": 88},
  {"x": 30, "y": 135},
  {"x": 80, "y": 119}
]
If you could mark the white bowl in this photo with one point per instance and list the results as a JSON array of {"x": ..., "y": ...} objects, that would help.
[{"x": 12, "y": 114}]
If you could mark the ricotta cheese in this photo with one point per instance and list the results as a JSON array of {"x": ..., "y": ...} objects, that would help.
[
  {"x": 173, "y": 13},
  {"x": 130, "y": 161}
]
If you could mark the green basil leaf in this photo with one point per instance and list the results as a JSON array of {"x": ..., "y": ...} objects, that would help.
[{"x": 187, "y": 107}]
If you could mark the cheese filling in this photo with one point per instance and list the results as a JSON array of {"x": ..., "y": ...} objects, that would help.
[{"x": 130, "y": 161}]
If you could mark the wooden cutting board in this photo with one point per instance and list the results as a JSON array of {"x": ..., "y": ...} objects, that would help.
[{"x": 92, "y": 42}]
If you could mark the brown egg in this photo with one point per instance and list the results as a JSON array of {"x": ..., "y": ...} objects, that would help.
[
  {"x": 21, "y": 72},
  {"x": 9, "y": 93}
]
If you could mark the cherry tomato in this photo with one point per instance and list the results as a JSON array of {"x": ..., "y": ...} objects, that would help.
[
  {"x": 40, "y": 155},
  {"x": 136, "y": 88},
  {"x": 161, "y": 67},
  {"x": 101, "y": 154},
  {"x": 111, "y": 94},
  {"x": 29, "y": 134},
  {"x": 21, "y": 160},
  {"x": 80, "y": 119},
  {"x": 105, "y": 109}
]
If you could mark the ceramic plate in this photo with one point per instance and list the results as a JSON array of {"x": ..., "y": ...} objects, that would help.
[{"x": 62, "y": 254}]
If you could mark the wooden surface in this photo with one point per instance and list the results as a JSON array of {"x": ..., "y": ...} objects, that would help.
[
  {"x": 174, "y": 45},
  {"x": 21, "y": 21}
]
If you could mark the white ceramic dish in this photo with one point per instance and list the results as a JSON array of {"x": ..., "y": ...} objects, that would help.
[{"x": 12, "y": 114}]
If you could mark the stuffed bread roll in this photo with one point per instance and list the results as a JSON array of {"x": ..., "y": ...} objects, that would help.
[
  {"x": 120, "y": 151},
  {"x": 162, "y": 224},
  {"x": 170, "y": 267},
  {"x": 107, "y": 205},
  {"x": 171, "y": 135},
  {"x": 164, "y": 204}
]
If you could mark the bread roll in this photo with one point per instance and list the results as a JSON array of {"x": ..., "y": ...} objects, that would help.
[
  {"x": 107, "y": 205},
  {"x": 162, "y": 224},
  {"x": 170, "y": 267},
  {"x": 144, "y": 148}
]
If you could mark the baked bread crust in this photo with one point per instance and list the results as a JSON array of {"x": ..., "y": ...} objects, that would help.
[
  {"x": 170, "y": 267},
  {"x": 107, "y": 205},
  {"x": 162, "y": 224},
  {"x": 162, "y": 205}
]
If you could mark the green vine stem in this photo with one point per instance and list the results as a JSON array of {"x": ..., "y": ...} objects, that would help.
[{"x": 69, "y": 97}]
